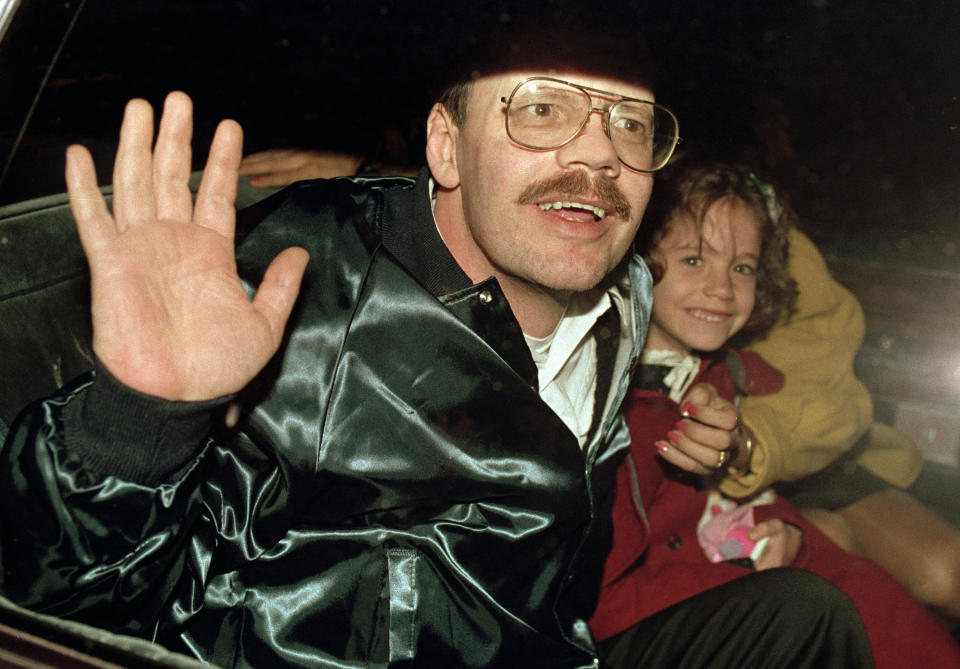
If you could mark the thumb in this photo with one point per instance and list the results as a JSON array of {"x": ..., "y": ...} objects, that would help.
[
  {"x": 278, "y": 291},
  {"x": 702, "y": 394},
  {"x": 759, "y": 532}
]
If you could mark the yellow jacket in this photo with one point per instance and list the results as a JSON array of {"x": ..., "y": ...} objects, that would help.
[{"x": 823, "y": 408}]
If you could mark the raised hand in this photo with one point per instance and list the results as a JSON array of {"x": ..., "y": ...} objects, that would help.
[
  {"x": 707, "y": 430},
  {"x": 170, "y": 316}
]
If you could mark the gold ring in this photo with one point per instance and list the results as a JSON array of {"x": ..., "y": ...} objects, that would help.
[{"x": 724, "y": 456}]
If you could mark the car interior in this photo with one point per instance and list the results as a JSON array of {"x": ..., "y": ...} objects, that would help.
[{"x": 853, "y": 106}]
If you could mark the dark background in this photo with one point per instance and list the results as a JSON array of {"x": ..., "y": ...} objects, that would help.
[{"x": 851, "y": 105}]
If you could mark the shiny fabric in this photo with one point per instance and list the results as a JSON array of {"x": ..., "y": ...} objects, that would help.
[{"x": 396, "y": 494}]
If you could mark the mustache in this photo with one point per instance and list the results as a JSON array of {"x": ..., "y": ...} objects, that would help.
[{"x": 578, "y": 183}]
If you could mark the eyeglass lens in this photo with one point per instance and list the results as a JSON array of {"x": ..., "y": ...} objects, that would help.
[{"x": 546, "y": 114}]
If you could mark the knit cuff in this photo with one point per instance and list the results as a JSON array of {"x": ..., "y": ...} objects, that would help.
[{"x": 135, "y": 437}]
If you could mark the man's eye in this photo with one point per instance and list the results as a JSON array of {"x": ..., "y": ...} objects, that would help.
[
  {"x": 632, "y": 121},
  {"x": 540, "y": 110},
  {"x": 631, "y": 126}
]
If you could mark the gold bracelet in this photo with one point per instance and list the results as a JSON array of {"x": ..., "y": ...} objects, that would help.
[{"x": 748, "y": 444}]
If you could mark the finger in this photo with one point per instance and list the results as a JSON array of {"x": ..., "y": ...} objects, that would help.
[
  {"x": 278, "y": 291},
  {"x": 700, "y": 394},
  {"x": 720, "y": 414},
  {"x": 90, "y": 212},
  {"x": 133, "y": 201},
  {"x": 216, "y": 198},
  {"x": 274, "y": 179},
  {"x": 716, "y": 438},
  {"x": 700, "y": 402},
  {"x": 767, "y": 528},
  {"x": 270, "y": 161},
  {"x": 709, "y": 456},
  {"x": 673, "y": 454},
  {"x": 252, "y": 162},
  {"x": 172, "y": 159}
]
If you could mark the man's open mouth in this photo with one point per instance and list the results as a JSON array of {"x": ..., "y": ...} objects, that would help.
[{"x": 596, "y": 211}]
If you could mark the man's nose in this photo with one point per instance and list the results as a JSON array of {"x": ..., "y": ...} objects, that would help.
[{"x": 592, "y": 147}]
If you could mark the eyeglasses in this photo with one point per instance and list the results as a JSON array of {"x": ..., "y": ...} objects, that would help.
[{"x": 546, "y": 113}]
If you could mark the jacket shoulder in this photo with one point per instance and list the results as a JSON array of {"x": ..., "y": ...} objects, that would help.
[{"x": 306, "y": 205}]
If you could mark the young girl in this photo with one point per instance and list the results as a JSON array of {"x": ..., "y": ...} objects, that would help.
[{"x": 717, "y": 246}]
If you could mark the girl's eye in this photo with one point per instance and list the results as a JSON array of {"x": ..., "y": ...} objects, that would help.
[
  {"x": 693, "y": 261},
  {"x": 747, "y": 270}
]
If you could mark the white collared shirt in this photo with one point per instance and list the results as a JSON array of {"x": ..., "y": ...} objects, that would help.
[{"x": 566, "y": 359}]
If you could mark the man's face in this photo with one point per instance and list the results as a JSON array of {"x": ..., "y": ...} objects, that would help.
[
  {"x": 515, "y": 229},
  {"x": 709, "y": 283}
]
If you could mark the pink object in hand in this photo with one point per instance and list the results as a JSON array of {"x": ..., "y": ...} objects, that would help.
[{"x": 725, "y": 535}]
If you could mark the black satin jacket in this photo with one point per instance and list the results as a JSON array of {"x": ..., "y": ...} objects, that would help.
[{"x": 396, "y": 494}]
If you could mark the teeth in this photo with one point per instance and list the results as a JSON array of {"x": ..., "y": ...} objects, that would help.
[
  {"x": 597, "y": 211},
  {"x": 710, "y": 318}
]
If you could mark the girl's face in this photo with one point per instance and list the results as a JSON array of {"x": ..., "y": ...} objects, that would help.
[{"x": 709, "y": 283}]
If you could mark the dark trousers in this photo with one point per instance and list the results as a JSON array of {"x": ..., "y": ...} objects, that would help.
[{"x": 778, "y": 618}]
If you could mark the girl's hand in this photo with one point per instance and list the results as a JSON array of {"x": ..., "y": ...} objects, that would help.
[
  {"x": 783, "y": 545},
  {"x": 702, "y": 442}
]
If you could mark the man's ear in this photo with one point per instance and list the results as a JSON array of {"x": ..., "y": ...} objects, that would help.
[{"x": 442, "y": 134}]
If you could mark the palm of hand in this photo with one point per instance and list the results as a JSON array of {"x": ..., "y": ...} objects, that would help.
[{"x": 171, "y": 316}]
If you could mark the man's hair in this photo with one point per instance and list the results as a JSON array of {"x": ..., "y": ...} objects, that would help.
[
  {"x": 455, "y": 100},
  {"x": 693, "y": 189},
  {"x": 542, "y": 37}
]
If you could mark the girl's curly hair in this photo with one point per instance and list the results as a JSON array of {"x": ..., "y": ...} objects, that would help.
[{"x": 694, "y": 188}]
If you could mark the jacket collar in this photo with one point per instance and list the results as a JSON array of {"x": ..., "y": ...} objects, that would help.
[{"x": 408, "y": 231}]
